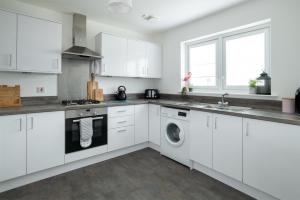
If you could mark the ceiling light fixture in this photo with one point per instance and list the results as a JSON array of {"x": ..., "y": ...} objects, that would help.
[{"x": 120, "y": 6}]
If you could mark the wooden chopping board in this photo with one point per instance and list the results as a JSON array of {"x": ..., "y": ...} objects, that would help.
[
  {"x": 10, "y": 96},
  {"x": 98, "y": 94},
  {"x": 91, "y": 86}
]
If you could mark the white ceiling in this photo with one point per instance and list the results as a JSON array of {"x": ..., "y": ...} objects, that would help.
[{"x": 171, "y": 13}]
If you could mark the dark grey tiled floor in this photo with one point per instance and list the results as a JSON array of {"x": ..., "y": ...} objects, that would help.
[{"x": 143, "y": 175}]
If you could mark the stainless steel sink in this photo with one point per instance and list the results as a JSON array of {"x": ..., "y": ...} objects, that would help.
[
  {"x": 227, "y": 108},
  {"x": 216, "y": 107}
]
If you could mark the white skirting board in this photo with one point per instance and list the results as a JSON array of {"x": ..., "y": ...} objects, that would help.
[
  {"x": 154, "y": 146},
  {"x": 27, "y": 179},
  {"x": 233, "y": 183}
]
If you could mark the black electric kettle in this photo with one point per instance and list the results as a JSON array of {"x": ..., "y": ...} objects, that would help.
[{"x": 121, "y": 94}]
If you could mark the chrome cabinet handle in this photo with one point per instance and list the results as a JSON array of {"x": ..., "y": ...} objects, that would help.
[
  {"x": 10, "y": 59},
  {"x": 20, "y": 125},
  {"x": 96, "y": 118},
  {"x": 31, "y": 124},
  {"x": 121, "y": 111},
  {"x": 247, "y": 129},
  {"x": 122, "y": 122},
  {"x": 216, "y": 119},
  {"x": 122, "y": 131},
  {"x": 207, "y": 121}
]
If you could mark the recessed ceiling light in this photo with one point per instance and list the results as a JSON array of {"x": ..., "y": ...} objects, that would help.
[
  {"x": 120, "y": 6},
  {"x": 149, "y": 17}
]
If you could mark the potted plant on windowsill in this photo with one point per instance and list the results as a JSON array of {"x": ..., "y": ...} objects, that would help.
[
  {"x": 187, "y": 87},
  {"x": 252, "y": 87}
]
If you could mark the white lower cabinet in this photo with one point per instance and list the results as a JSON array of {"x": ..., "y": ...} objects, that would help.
[
  {"x": 30, "y": 143},
  {"x": 271, "y": 158},
  {"x": 216, "y": 142},
  {"x": 154, "y": 124},
  {"x": 120, "y": 127},
  {"x": 227, "y": 145},
  {"x": 141, "y": 124},
  {"x": 201, "y": 135},
  {"x": 12, "y": 146},
  {"x": 45, "y": 140},
  {"x": 120, "y": 138}
]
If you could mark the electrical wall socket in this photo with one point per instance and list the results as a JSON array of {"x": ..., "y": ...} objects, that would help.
[{"x": 40, "y": 90}]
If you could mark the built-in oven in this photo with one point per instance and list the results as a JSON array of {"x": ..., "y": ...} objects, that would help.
[{"x": 72, "y": 133}]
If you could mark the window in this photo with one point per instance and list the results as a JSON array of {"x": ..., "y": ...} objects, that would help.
[
  {"x": 230, "y": 60},
  {"x": 202, "y": 62}
]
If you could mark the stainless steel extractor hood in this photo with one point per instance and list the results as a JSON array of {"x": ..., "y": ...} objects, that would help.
[{"x": 79, "y": 49}]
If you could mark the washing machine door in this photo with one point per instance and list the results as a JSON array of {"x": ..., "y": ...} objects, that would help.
[{"x": 174, "y": 133}]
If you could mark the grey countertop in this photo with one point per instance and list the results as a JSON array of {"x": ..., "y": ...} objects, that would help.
[{"x": 273, "y": 116}]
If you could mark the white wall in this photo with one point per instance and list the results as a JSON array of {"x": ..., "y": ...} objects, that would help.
[
  {"x": 285, "y": 41},
  {"x": 29, "y": 82}
]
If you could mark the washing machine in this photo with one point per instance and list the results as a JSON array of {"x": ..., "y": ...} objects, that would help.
[{"x": 175, "y": 134}]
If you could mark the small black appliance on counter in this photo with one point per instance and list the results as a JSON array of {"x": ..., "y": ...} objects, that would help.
[
  {"x": 297, "y": 101},
  {"x": 152, "y": 94},
  {"x": 121, "y": 94}
]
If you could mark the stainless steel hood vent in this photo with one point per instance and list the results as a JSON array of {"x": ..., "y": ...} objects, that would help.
[{"x": 79, "y": 49}]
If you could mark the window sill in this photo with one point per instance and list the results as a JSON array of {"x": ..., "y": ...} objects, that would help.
[{"x": 235, "y": 95}]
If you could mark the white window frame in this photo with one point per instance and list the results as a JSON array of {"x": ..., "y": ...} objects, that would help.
[
  {"x": 220, "y": 40},
  {"x": 199, "y": 44}
]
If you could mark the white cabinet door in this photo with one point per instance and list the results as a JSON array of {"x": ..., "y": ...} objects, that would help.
[
  {"x": 12, "y": 146},
  {"x": 154, "y": 124},
  {"x": 201, "y": 138},
  {"x": 154, "y": 60},
  {"x": 114, "y": 52},
  {"x": 120, "y": 138},
  {"x": 271, "y": 158},
  {"x": 227, "y": 145},
  {"x": 141, "y": 124},
  {"x": 8, "y": 40},
  {"x": 45, "y": 140},
  {"x": 39, "y": 45},
  {"x": 136, "y": 58}
]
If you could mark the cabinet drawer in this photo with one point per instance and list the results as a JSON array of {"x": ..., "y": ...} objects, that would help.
[
  {"x": 117, "y": 122},
  {"x": 120, "y": 111},
  {"x": 120, "y": 138}
]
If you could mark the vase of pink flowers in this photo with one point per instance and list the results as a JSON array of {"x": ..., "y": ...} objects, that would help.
[{"x": 186, "y": 88}]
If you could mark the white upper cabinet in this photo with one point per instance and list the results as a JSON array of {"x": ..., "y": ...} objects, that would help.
[
  {"x": 8, "y": 43},
  {"x": 271, "y": 158},
  {"x": 154, "y": 124},
  {"x": 201, "y": 138},
  {"x": 128, "y": 58},
  {"x": 45, "y": 140},
  {"x": 154, "y": 58},
  {"x": 136, "y": 58},
  {"x": 12, "y": 146},
  {"x": 114, "y": 52},
  {"x": 39, "y": 45},
  {"x": 141, "y": 123},
  {"x": 227, "y": 145}
]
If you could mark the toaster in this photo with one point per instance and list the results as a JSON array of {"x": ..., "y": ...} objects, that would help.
[{"x": 152, "y": 94}]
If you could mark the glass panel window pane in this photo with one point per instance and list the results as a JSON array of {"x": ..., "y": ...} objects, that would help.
[
  {"x": 202, "y": 62},
  {"x": 245, "y": 59}
]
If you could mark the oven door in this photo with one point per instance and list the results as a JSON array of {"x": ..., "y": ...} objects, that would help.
[{"x": 72, "y": 135}]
